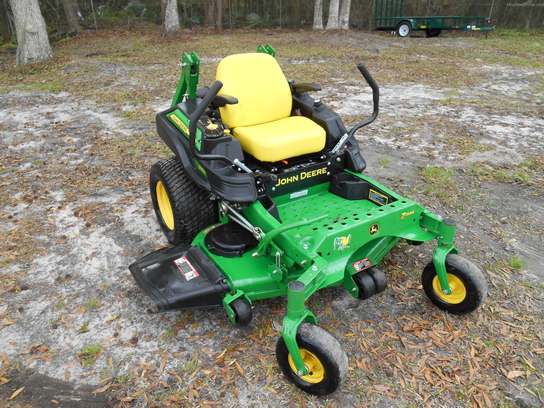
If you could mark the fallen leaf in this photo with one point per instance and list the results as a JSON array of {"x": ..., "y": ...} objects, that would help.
[
  {"x": 102, "y": 389},
  {"x": 239, "y": 369},
  {"x": 269, "y": 388},
  {"x": 20, "y": 390},
  {"x": 514, "y": 374}
]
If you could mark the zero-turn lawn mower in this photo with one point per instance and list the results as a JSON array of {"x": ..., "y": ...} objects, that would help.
[{"x": 265, "y": 197}]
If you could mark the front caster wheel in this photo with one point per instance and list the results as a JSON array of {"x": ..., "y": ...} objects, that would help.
[
  {"x": 323, "y": 356},
  {"x": 242, "y": 312},
  {"x": 468, "y": 285}
]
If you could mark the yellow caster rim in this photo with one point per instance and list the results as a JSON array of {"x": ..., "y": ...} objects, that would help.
[
  {"x": 458, "y": 290},
  {"x": 316, "y": 370}
]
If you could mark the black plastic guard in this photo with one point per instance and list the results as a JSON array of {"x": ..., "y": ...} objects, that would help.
[{"x": 181, "y": 277}]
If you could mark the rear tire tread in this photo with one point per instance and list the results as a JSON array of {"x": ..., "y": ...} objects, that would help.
[{"x": 192, "y": 207}]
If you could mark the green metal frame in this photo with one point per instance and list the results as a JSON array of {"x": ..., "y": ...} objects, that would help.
[
  {"x": 301, "y": 255},
  {"x": 298, "y": 257},
  {"x": 190, "y": 70}
]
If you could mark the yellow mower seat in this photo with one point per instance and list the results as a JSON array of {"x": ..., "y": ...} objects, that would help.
[{"x": 260, "y": 119}]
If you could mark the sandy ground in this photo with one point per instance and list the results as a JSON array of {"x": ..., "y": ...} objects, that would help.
[{"x": 74, "y": 290}]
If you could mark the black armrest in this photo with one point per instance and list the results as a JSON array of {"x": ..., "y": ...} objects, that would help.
[
  {"x": 222, "y": 100},
  {"x": 300, "y": 88}
]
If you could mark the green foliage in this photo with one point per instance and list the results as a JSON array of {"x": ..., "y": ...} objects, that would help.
[
  {"x": 94, "y": 303},
  {"x": 384, "y": 161},
  {"x": 516, "y": 262},
  {"x": 89, "y": 355},
  {"x": 439, "y": 182},
  {"x": 525, "y": 172}
]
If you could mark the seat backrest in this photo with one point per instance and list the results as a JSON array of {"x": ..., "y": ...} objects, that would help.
[{"x": 258, "y": 83}]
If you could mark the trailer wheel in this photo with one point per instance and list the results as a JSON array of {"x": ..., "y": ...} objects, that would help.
[
  {"x": 468, "y": 284},
  {"x": 365, "y": 284},
  {"x": 404, "y": 29},
  {"x": 432, "y": 32},
  {"x": 181, "y": 207},
  {"x": 323, "y": 356},
  {"x": 242, "y": 311}
]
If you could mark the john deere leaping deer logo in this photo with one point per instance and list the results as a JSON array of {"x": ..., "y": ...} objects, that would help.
[
  {"x": 374, "y": 228},
  {"x": 341, "y": 243}
]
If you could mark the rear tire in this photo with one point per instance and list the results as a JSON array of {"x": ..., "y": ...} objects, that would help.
[{"x": 182, "y": 208}]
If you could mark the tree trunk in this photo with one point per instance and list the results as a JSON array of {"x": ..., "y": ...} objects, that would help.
[
  {"x": 344, "y": 14},
  {"x": 32, "y": 42},
  {"x": 171, "y": 19},
  {"x": 332, "y": 22},
  {"x": 71, "y": 15},
  {"x": 163, "y": 10},
  {"x": 219, "y": 21},
  {"x": 318, "y": 15},
  {"x": 209, "y": 7}
]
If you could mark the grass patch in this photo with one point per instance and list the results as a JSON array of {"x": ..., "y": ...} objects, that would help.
[
  {"x": 527, "y": 172},
  {"x": 384, "y": 161},
  {"x": 92, "y": 304},
  {"x": 468, "y": 144},
  {"x": 168, "y": 334},
  {"x": 84, "y": 328},
  {"x": 192, "y": 365},
  {"x": 516, "y": 262},
  {"x": 51, "y": 87},
  {"x": 89, "y": 355},
  {"x": 439, "y": 182}
]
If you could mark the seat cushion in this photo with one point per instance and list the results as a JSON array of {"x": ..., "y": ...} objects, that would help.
[
  {"x": 281, "y": 139},
  {"x": 258, "y": 83}
]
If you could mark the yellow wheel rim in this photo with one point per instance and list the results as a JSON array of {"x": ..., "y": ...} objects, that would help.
[
  {"x": 316, "y": 370},
  {"x": 165, "y": 207},
  {"x": 458, "y": 290}
]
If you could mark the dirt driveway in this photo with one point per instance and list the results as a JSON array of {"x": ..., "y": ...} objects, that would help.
[{"x": 464, "y": 137}]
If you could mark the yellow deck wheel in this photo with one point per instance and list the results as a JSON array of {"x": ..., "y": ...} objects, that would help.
[
  {"x": 316, "y": 370},
  {"x": 165, "y": 207},
  {"x": 458, "y": 290}
]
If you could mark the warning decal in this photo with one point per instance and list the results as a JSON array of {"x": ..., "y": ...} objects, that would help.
[
  {"x": 187, "y": 270},
  {"x": 362, "y": 264}
]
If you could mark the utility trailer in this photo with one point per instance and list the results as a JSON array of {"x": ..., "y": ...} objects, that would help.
[{"x": 389, "y": 15}]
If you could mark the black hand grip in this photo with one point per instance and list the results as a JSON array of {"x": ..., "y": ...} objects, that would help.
[
  {"x": 375, "y": 98},
  {"x": 375, "y": 89},
  {"x": 204, "y": 103}
]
